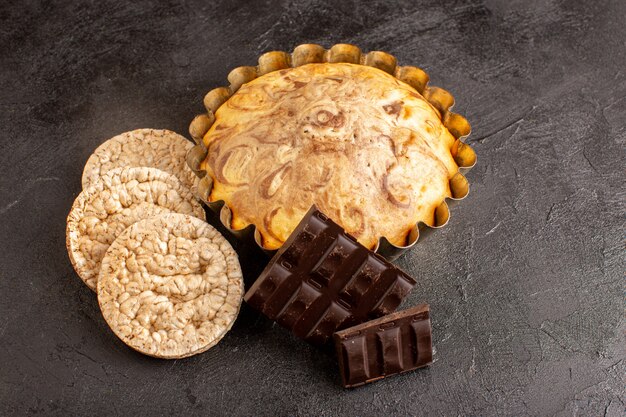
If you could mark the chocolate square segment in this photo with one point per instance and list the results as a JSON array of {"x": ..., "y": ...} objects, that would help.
[
  {"x": 322, "y": 280},
  {"x": 392, "y": 344}
]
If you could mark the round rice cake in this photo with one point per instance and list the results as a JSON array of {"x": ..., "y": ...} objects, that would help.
[
  {"x": 156, "y": 148},
  {"x": 118, "y": 199},
  {"x": 170, "y": 286}
]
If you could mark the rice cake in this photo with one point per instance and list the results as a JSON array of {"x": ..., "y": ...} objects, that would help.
[
  {"x": 156, "y": 148},
  {"x": 170, "y": 286},
  {"x": 120, "y": 198}
]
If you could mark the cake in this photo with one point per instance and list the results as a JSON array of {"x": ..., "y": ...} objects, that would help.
[{"x": 366, "y": 148}]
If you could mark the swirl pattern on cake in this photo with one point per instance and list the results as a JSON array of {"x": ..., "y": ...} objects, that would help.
[{"x": 367, "y": 149}]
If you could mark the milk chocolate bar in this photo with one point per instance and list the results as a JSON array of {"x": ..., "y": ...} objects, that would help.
[
  {"x": 322, "y": 280},
  {"x": 390, "y": 345}
]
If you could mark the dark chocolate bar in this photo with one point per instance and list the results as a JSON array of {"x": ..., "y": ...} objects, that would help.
[
  {"x": 390, "y": 345},
  {"x": 322, "y": 280}
]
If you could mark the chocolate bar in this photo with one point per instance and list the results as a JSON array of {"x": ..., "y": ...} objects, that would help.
[
  {"x": 390, "y": 345},
  {"x": 323, "y": 280}
]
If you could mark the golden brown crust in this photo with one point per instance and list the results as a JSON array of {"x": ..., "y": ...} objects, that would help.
[{"x": 367, "y": 149}]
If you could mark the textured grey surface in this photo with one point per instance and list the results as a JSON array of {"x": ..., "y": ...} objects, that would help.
[{"x": 526, "y": 284}]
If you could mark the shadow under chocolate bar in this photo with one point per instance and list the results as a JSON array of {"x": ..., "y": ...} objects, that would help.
[
  {"x": 390, "y": 345},
  {"x": 322, "y": 280}
]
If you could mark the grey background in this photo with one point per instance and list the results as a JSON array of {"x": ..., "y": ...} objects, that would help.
[{"x": 526, "y": 283}]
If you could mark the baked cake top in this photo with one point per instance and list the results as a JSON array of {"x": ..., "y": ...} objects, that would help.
[{"x": 367, "y": 149}]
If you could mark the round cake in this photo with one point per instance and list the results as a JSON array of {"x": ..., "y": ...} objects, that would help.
[{"x": 367, "y": 149}]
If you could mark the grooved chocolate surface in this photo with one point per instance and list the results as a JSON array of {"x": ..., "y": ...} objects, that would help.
[
  {"x": 323, "y": 280},
  {"x": 390, "y": 345}
]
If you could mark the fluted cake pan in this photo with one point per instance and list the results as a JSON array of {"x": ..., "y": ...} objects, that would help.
[{"x": 439, "y": 98}]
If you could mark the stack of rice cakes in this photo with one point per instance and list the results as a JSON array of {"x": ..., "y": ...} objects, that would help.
[{"x": 169, "y": 285}]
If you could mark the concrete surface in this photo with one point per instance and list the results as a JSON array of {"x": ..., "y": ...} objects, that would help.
[{"x": 526, "y": 284}]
